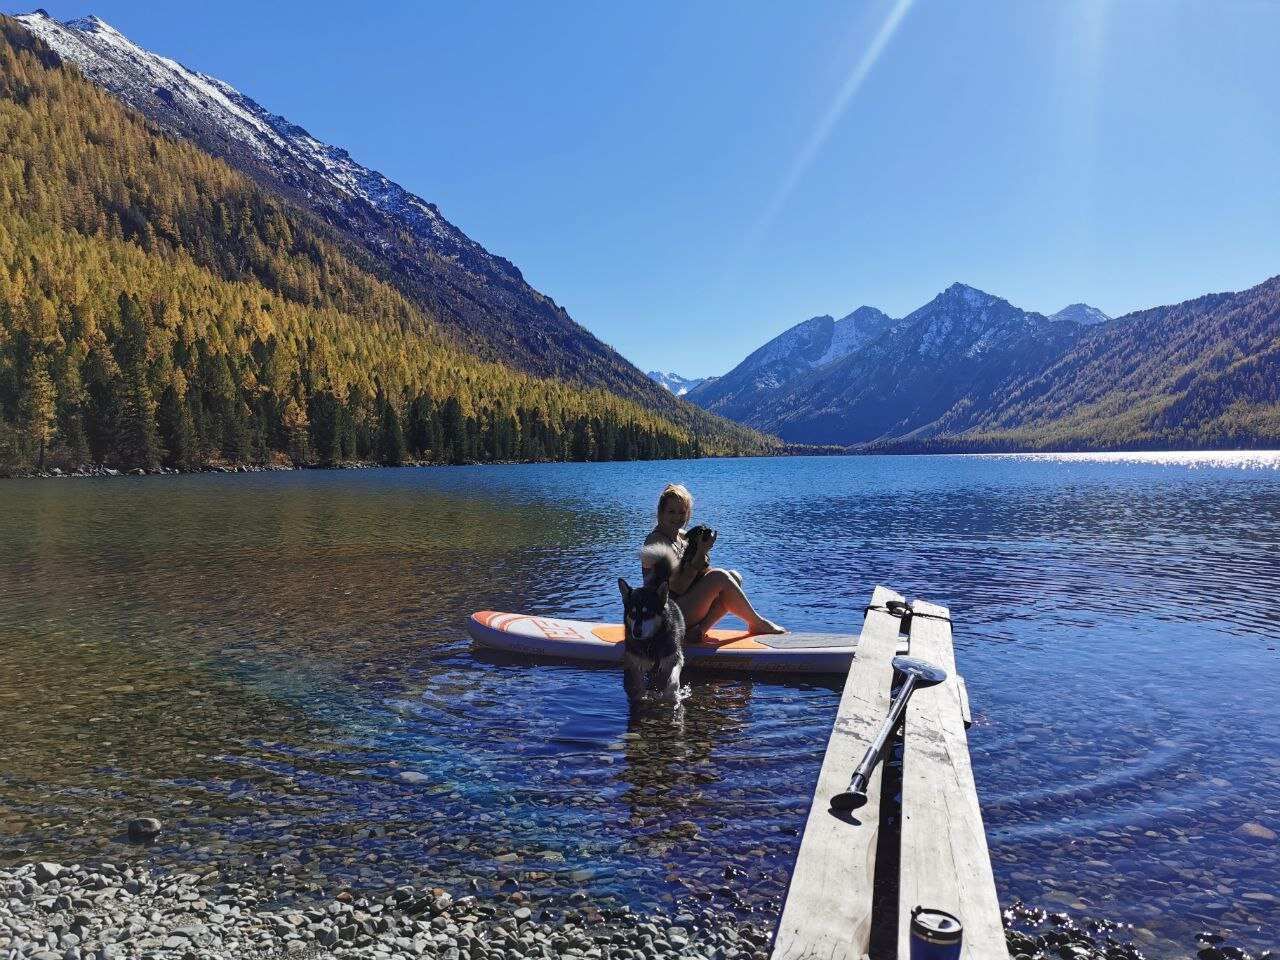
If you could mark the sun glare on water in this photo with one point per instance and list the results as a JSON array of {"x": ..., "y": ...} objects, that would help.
[{"x": 1237, "y": 459}]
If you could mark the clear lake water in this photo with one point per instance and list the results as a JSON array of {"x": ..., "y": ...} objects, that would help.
[{"x": 277, "y": 666}]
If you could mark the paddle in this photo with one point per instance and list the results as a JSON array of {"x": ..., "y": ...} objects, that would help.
[{"x": 918, "y": 673}]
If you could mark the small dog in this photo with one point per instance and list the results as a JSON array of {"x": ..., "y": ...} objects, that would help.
[
  {"x": 699, "y": 540},
  {"x": 653, "y": 652}
]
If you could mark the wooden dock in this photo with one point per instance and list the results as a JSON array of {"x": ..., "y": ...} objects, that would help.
[{"x": 841, "y": 904}]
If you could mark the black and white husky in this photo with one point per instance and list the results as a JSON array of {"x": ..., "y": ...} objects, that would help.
[{"x": 654, "y": 629}]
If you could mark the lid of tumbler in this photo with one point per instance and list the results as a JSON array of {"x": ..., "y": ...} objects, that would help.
[{"x": 935, "y": 926}]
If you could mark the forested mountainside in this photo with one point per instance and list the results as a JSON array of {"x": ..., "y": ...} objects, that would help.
[
  {"x": 481, "y": 298},
  {"x": 960, "y": 347},
  {"x": 1199, "y": 374},
  {"x": 158, "y": 306}
]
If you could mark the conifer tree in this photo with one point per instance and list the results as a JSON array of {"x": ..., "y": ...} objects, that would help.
[
  {"x": 177, "y": 430},
  {"x": 37, "y": 410},
  {"x": 390, "y": 447},
  {"x": 297, "y": 432}
]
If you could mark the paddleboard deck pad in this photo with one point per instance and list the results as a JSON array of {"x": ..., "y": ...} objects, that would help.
[{"x": 721, "y": 649}]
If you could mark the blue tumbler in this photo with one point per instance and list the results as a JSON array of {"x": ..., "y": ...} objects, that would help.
[{"x": 935, "y": 935}]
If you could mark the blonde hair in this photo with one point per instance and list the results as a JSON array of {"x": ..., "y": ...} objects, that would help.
[{"x": 676, "y": 491}]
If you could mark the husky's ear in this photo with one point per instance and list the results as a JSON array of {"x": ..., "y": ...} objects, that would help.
[{"x": 624, "y": 590}]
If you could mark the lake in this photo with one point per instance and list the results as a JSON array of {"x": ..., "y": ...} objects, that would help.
[{"x": 259, "y": 660}]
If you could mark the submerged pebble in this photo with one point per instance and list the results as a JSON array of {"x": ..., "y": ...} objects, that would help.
[{"x": 1033, "y": 933}]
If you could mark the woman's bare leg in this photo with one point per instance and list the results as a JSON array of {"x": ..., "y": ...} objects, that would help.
[
  {"x": 717, "y": 592},
  {"x": 697, "y": 631}
]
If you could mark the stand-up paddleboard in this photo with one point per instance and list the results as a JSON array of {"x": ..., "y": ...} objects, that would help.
[{"x": 722, "y": 649}]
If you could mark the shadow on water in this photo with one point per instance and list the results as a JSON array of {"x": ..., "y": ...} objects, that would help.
[{"x": 277, "y": 666}]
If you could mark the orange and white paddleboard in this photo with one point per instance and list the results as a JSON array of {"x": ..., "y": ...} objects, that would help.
[{"x": 722, "y": 649}]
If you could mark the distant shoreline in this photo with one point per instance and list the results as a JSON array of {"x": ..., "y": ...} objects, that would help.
[{"x": 1153, "y": 454}]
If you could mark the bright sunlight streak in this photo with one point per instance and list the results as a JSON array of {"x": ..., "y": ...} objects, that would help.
[{"x": 821, "y": 132}]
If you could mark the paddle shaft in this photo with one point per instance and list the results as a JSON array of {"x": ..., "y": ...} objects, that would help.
[{"x": 856, "y": 795}]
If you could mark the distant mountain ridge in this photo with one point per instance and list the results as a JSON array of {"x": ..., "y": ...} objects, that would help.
[
  {"x": 481, "y": 298},
  {"x": 677, "y": 384},
  {"x": 962, "y": 344},
  {"x": 1204, "y": 373},
  {"x": 969, "y": 371},
  {"x": 790, "y": 355}
]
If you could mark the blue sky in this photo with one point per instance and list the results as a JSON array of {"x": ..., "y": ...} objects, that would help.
[{"x": 690, "y": 179}]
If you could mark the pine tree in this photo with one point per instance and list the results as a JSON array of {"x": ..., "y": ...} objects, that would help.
[
  {"x": 37, "y": 410},
  {"x": 177, "y": 430},
  {"x": 128, "y": 260},
  {"x": 71, "y": 406},
  {"x": 390, "y": 446},
  {"x": 454, "y": 426},
  {"x": 297, "y": 431},
  {"x": 326, "y": 432}
]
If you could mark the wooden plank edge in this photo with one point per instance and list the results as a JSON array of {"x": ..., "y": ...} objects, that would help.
[
  {"x": 938, "y": 719},
  {"x": 963, "y": 690},
  {"x": 823, "y": 916}
]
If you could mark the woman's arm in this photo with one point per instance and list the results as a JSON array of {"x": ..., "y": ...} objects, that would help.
[
  {"x": 683, "y": 578},
  {"x": 694, "y": 565}
]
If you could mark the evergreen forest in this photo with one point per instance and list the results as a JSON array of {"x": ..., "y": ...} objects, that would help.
[{"x": 157, "y": 308}]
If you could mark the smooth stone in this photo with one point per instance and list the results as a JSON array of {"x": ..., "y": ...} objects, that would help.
[
  {"x": 141, "y": 829},
  {"x": 1255, "y": 831},
  {"x": 47, "y": 871}
]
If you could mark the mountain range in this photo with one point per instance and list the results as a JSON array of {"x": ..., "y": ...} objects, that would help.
[
  {"x": 768, "y": 372},
  {"x": 970, "y": 371},
  {"x": 349, "y": 309}
]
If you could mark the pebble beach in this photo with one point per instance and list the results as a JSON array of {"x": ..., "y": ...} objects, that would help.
[
  {"x": 52, "y": 911},
  {"x": 55, "y": 912}
]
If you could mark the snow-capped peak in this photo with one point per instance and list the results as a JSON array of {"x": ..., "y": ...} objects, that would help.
[
  {"x": 94, "y": 24},
  {"x": 674, "y": 382},
  {"x": 970, "y": 295},
  {"x": 1082, "y": 314}
]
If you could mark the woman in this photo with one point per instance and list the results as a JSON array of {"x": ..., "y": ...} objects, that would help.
[{"x": 707, "y": 599}]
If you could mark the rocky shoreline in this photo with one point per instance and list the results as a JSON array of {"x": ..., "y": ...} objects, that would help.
[
  {"x": 99, "y": 471},
  {"x": 49, "y": 911},
  {"x": 109, "y": 912}
]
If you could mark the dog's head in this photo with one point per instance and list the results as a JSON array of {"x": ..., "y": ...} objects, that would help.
[
  {"x": 644, "y": 609},
  {"x": 701, "y": 538}
]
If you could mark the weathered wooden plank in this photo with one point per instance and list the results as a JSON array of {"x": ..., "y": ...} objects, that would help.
[
  {"x": 966, "y": 714},
  {"x": 945, "y": 862},
  {"x": 827, "y": 913}
]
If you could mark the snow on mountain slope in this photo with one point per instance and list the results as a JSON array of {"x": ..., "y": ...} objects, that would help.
[
  {"x": 806, "y": 346},
  {"x": 677, "y": 384},
  {"x": 1082, "y": 314},
  {"x": 113, "y": 61},
  {"x": 950, "y": 353},
  {"x": 850, "y": 333},
  {"x": 480, "y": 297}
]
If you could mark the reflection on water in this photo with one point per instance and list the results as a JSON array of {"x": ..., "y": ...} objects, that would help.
[{"x": 276, "y": 665}]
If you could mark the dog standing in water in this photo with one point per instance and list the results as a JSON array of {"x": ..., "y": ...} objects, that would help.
[{"x": 654, "y": 629}]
